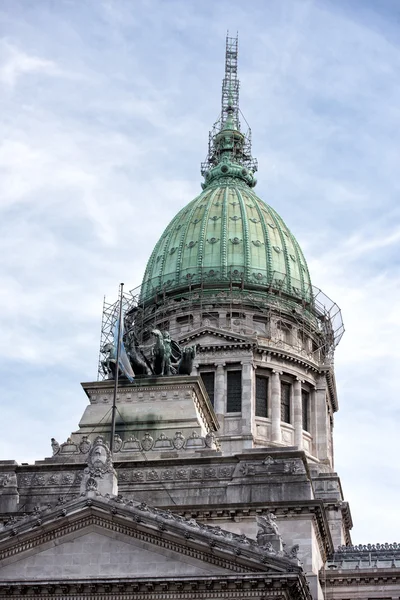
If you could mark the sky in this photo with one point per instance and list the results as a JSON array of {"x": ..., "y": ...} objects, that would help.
[{"x": 105, "y": 111}]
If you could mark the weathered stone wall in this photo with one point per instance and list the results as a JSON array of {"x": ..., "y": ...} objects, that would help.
[{"x": 96, "y": 554}]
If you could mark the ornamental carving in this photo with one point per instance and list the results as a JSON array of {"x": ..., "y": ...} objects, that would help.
[
  {"x": 117, "y": 443},
  {"x": 211, "y": 440},
  {"x": 85, "y": 444},
  {"x": 268, "y": 461},
  {"x": 178, "y": 441},
  {"x": 69, "y": 447},
  {"x": 195, "y": 441},
  {"x": 132, "y": 444},
  {"x": 152, "y": 475},
  {"x": 247, "y": 470},
  {"x": 67, "y": 479},
  {"x": 210, "y": 473},
  {"x": 99, "y": 460},
  {"x": 225, "y": 472},
  {"x": 147, "y": 442},
  {"x": 196, "y": 473},
  {"x": 181, "y": 474},
  {"x": 163, "y": 443},
  {"x": 39, "y": 480},
  {"x": 5, "y": 479},
  {"x": 137, "y": 476},
  {"x": 55, "y": 446},
  {"x": 293, "y": 467}
]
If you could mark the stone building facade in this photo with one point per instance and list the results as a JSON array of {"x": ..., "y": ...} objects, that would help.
[{"x": 221, "y": 483}]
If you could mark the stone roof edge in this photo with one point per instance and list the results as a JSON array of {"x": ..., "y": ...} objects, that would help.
[
  {"x": 227, "y": 586},
  {"x": 205, "y": 538},
  {"x": 376, "y": 574},
  {"x": 313, "y": 507}
]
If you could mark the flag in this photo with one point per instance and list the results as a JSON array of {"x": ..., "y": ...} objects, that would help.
[{"x": 124, "y": 364}]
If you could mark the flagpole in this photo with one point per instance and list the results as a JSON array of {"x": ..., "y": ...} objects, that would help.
[{"x": 114, "y": 406}]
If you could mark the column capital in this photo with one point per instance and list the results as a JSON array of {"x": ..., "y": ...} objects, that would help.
[
  {"x": 276, "y": 372},
  {"x": 300, "y": 380}
]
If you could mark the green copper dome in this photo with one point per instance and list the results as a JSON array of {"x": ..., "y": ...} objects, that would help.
[{"x": 227, "y": 235}]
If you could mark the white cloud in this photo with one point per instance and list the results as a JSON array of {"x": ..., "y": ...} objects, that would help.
[{"x": 16, "y": 63}]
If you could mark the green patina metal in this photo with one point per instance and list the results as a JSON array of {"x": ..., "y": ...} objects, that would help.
[
  {"x": 228, "y": 235},
  {"x": 233, "y": 237}
]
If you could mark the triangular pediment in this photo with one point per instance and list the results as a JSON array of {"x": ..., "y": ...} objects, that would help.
[
  {"x": 94, "y": 551},
  {"x": 215, "y": 337},
  {"x": 82, "y": 538}
]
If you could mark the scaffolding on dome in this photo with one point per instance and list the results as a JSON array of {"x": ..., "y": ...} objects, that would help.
[
  {"x": 311, "y": 328},
  {"x": 230, "y": 106}
]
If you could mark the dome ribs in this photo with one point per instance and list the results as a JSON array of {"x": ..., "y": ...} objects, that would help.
[
  {"x": 268, "y": 252},
  {"x": 190, "y": 210},
  {"x": 203, "y": 231},
  {"x": 218, "y": 239},
  {"x": 224, "y": 236},
  {"x": 246, "y": 237},
  {"x": 278, "y": 225}
]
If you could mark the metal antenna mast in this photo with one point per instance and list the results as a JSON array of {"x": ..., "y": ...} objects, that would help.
[
  {"x": 230, "y": 83},
  {"x": 226, "y": 138}
]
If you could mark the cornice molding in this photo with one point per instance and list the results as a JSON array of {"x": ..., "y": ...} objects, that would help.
[{"x": 230, "y": 587}]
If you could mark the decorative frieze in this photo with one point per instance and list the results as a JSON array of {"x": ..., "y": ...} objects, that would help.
[
  {"x": 252, "y": 586},
  {"x": 175, "y": 474}
]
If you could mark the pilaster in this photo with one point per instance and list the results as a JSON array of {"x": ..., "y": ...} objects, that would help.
[
  {"x": 297, "y": 414},
  {"x": 276, "y": 406},
  {"x": 220, "y": 391}
]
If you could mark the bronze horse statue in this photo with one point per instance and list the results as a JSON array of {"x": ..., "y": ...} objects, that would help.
[{"x": 162, "y": 352}]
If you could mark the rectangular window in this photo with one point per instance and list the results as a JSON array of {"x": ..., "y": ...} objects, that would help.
[
  {"x": 210, "y": 319},
  {"x": 285, "y": 402},
  {"x": 305, "y": 402},
  {"x": 185, "y": 320},
  {"x": 261, "y": 324},
  {"x": 261, "y": 396},
  {"x": 234, "y": 391},
  {"x": 209, "y": 384}
]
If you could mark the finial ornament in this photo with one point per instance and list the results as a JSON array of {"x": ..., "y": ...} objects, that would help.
[{"x": 229, "y": 149}]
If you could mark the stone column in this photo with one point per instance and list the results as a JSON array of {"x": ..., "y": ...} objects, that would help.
[
  {"x": 297, "y": 414},
  {"x": 220, "y": 392},
  {"x": 248, "y": 409},
  {"x": 321, "y": 419},
  {"x": 276, "y": 406}
]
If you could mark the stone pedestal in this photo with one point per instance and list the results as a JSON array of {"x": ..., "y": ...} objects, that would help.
[{"x": 9, "y": 496}]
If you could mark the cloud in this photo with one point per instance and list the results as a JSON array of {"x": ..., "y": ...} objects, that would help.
[{"x": 16, "y": 64}]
